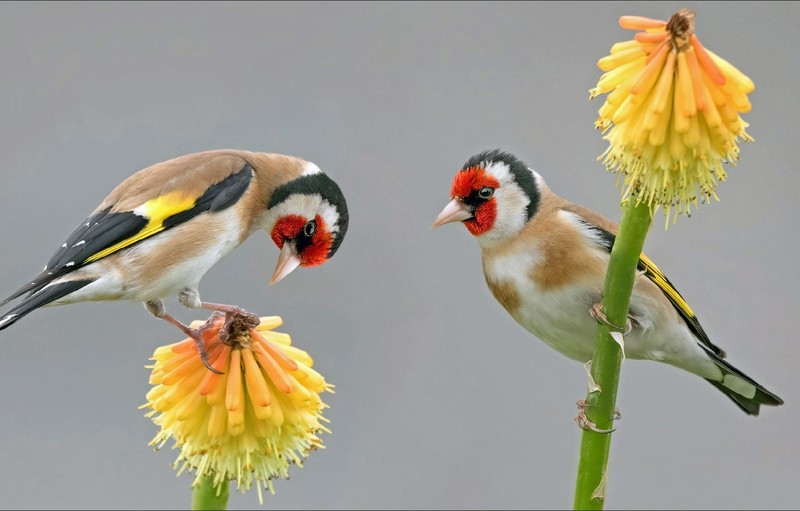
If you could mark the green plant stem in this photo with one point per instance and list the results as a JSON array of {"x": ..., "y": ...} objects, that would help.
[
  {"x": 590, "y": 488},
  {"x": 204, "y": 495}
]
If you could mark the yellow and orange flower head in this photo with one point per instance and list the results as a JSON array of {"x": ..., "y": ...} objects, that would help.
[
  {"x": 249, "y": 423},
  {"x": 672, "y": 113}
]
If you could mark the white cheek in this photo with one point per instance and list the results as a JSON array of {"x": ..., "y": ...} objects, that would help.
[
  {"x": 511, "y": 217},
  {"x": 512, "y": 207}
]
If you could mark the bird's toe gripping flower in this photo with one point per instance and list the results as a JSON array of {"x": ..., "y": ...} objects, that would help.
[
  {"x": 247, "y": 424},
  {"x": 671, "y": 114}
]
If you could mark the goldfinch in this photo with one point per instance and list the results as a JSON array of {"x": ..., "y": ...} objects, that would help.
[
  {"x": 545, "y": 258},
  {"x": 157, "y": 233}
]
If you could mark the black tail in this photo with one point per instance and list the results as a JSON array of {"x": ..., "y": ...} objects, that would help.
[
  {"x": 40, "y": 299},
  {"x": 36, "y": 284},
  {"x": 743, "y": 390}
]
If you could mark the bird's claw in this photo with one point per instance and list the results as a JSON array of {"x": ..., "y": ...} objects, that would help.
[
  {"x": 209, "y": 366},
  {"x": 597, "y": 313},
  {"x": 196, "y": 334},
  {"x": 585, "y": 424},
  {"x": 201, "y": 346}
]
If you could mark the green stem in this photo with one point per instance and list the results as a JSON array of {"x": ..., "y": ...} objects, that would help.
[
  {"x": 593, "y": 463},
  {"x": 204, "y": 494}
]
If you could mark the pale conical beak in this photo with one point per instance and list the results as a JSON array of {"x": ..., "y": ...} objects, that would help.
[
  {"x": 455, "y": 211},
  {"x": 287, "y": 261}
]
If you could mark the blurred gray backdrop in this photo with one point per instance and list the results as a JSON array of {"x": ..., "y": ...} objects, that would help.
[{"x": 442, "y": 400}]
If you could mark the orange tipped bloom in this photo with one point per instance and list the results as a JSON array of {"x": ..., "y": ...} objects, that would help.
[
  {"x": 247, "y": 424},
  {"x": 672, "y": 113}
]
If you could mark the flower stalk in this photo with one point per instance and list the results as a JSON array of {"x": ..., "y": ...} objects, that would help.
[
  {"x": 208, "y": 496},
  {"x": 608, "y": 357},
  {"x": 671, "y": 118}
]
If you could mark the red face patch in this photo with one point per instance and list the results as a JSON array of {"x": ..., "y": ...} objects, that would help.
[
  {"x": 311, "y": 253},
  {"x": 483, "y": 218},
  {"x": 316, "y": 252},
  {"x": 287, "y": 227},
  {"x": 465, "y": 184},
  {"x": 472, "y": 180}
]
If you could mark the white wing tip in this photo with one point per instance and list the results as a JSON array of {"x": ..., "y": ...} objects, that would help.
[{"x": 7, "y": 320}]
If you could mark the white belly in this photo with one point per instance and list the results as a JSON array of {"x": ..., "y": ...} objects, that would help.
[{"x": 559, "y": 318}]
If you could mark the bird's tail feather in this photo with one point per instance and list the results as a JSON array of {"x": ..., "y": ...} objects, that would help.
[
  {"x": 40, "y": 299},
  {"x": 36, "y": 284},
  {"x": 743, "y": 390}
]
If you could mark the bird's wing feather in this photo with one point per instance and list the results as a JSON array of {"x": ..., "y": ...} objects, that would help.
[
  {"x": 658, "y": 278},
  {"x": 107, "y": 231},
  {"x": 607, "y": 233}
]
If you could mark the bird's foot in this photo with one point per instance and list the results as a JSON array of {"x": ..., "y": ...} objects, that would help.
[
  {"x": 201, "y": 349},
  {"x": 597, "y": 313},
  {"x": 237, "y": 321},
  {"x": 585, "y": 424},
  {"x": 196, "y": 334},
  {"x": 237, "y": 325}
]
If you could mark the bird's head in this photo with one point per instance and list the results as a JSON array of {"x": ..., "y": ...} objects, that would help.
[
  {"x": 308, "y": 221},
  {"x": 494, "y": 195}
]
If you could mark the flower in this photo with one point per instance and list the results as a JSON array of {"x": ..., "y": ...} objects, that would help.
[
  {"x": 247, "y": 424},
  {"x": 672, "y": 113}
]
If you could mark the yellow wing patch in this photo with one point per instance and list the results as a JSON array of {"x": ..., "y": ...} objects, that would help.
[
  {"x": 156, "y": 211},
  {"x": 654, "y": 274},
  {"x": 661, "y": 281}
]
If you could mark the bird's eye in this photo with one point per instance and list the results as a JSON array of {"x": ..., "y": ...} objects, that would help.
[
  {"x": 310, "y": 228},
  {"x": 486, "y": 192}
]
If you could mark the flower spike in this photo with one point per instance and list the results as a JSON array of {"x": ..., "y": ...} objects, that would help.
[
  {"x": 247, "y": 424},
  {"x": 672, "y": 113}
]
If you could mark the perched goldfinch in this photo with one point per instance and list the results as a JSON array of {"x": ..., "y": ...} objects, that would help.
[
  {"x": 163, "y": 228},
  {"x": 545, "y": 261}
]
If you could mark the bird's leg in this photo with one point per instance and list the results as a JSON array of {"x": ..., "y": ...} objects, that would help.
[
  {"x": 585, "y": 424},
  {"x": 157, "y": 309},
  {"x": 236, "y": 318}
]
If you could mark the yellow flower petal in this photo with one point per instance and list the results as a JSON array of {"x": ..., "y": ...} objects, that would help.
[
  {"x": 233, "y": 395},
  {"x": 640, "y": 23},
  {"x": 256, "y": 385}
]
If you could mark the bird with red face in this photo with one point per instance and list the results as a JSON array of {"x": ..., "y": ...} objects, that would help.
[
  {"x": 158, "y": 233},
  {"x": 545, "y": 259}
]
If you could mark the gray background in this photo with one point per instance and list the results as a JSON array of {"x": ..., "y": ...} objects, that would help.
[{"x": 442, "y": 400}]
